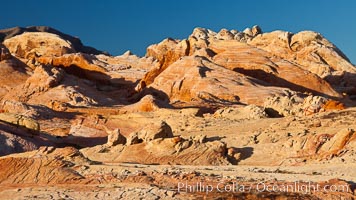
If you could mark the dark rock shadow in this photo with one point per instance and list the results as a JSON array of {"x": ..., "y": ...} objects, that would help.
[
  {"x": 352, "y": 185},
  {"x": 7, "y": 149},
  {"x": 28, "y": 135},
  {"x": 102, "y": 88},
  {"x": 203, "y": 70},
  {"x": 95, "y": 76},
  {"x": 245, "y": 152},
  {"x": 73, "y": 141},
  {"x": 272, "y": 113},
  {"x": 45, "y": 113},
  {"x": 81, "y": 142},
  {"x": 214, "y": 138},
  {"x": 161, "y": 98},
  {"x": 268, "y": 79},
  {"x": 345, "y": 83}
]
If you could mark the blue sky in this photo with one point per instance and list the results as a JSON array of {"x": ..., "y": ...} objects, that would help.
[{"x": 117, "y": 26}]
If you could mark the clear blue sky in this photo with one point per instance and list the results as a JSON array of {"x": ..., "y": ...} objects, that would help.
[{"x": 117, "y": 26}]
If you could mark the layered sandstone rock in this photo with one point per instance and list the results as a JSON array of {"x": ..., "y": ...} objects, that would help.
[
  {"x": 312, "y": 52},
  {"x": 20, "y": 120},
  {"x": 147, "y": 103},
  {"x": 268, "y": 58},
  {"x": 166, "y": 52},
  {"x": 264, "y": 60},
  {"x": 52, "y": 166},
  {"x": 163, "y": 151},
  {"x": 12, "y": 70},
  {"x": 294, "y": 104},
  {"x": 115, "y": 138},
  {"x": 150, "y": 132},
  {"x": 37, "y": 44},
  {"x": 307, "y": 48},
  {"x": 75, "y": 41},
  {"x": 198, "y": 80},
  {"x": 261, "y": 65},
  {"x": 327, "y": 146},
  {"x": 239, "y": 113}
]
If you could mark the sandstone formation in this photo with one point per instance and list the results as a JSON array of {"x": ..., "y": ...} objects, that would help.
[
  {"x": 150, "y": 132},
  {"x": 115, "y": 138},
  {"x": 38, "y": 44},
  {"x": 240, "y": 113},
  {"x": 265, "y": 59},
  {"x": 53, "y": 166},
  {"x": 146, "y": 104},
  {"x": 20, "y": 121},
  {"x": 77, "y": 44},
  {"x": 247, "y": 106},
  {"x": 12, "y": 143}
]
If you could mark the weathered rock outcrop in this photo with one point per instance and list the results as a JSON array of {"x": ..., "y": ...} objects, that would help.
[
  {"x": 53, "y": 166},
  {"x": 327, "y": 146},
  {"x": 147, "y": 103},
  {"x": 274, "y": 71},
  {"x": 13, "y": 71},
  {"x": 166, "y": 52},
  {"x": 294, "y": 104},
  {"x": 115, "y": 138},
  {"x": 312, "y": 52},
  {"x": 20, "y": 120},
  {"x": 196, "y": 80},
  {"x": 241, "y": 113},
  {"x": 174, "y": 150},
  {"x": 77, "y": 44},
  {"x": 150, "y": 132},
  {"x": 37, "y": 44},
  {"x": 155, "y": 144},
  {"x": 307, "y": 48},
  {"x": 268, "y": 59},
  {"x": 11, "y": 143}
]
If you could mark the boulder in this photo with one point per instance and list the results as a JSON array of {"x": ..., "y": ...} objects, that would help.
[
  {"x": 115, "y": 138},
  {"x": 150, "y": 132},
  {"x": 28, "y": 110},
  {"x": 284, "y": 105},
  {"x": 337, "y": 142},
  {"x": 147, "y": 103},
  {"x": 240, "y": 113},
  {"x": 300, "y": 105},
  {"x": 20, "y": 120},
  {"x": 43, "y": 78},
  {"x": 256, "y": 30},
  {"x": 224, "y": 34}
]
